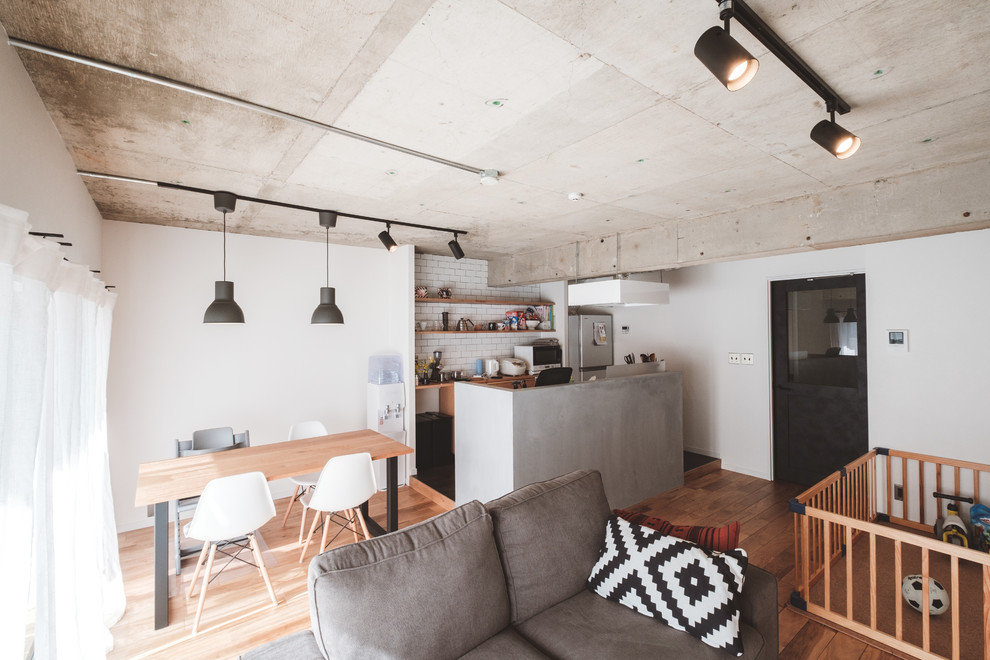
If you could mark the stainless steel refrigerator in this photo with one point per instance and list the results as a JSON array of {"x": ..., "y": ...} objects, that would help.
[{"x": 589, "y": 342}]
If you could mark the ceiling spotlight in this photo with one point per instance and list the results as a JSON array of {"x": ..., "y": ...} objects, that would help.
[
  {"x": 386, "y": 238},
  {"x": 455, "y": 248},
  {"x": 223, "y": 309},
  {"x": 724, "y": 56},
  {"x": 833, "y": 138},
  {"x": 488, "y": 177},
  {"x": 327, "y": 311}
]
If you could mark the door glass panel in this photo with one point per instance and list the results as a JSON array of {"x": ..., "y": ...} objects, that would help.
[{"x": 822, "y": 337}]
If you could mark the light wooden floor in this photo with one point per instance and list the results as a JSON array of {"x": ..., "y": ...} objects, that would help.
[{"x": 239, "y": 616}]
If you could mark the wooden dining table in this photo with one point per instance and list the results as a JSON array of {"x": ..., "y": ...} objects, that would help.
[{"x": 159, "y": 482}]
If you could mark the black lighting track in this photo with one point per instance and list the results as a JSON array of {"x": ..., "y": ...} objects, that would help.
[
  {"x": 45, "y": 234},
  {"x": 269, "y": 202},
  {"x": 766, "y": 36}
]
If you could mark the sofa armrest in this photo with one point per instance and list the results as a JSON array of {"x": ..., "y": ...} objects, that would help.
[{"x": 759, "y": 607}]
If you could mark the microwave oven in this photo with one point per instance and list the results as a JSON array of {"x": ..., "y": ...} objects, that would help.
[{"x": 540, "y": 356}]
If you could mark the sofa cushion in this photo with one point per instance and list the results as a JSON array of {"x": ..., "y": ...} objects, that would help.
[
  {"x": 587, "y": 626},
  {"x": 433, "y": 590},
  {"x": 673, "y": 580},
  {"x": 506, "y": 644},
  {"x": 549, "y": 535},
  {"x": 718, "y": 539}
]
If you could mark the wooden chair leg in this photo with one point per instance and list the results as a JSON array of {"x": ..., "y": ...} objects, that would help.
[
  {"x": 353, "y": 524},
  {"x": 326, "y": 528},
  {"x": 292, "y": 501},
  {"x": 302, "y": 523},
  {"x": 202, "y": 590},
  {"x": 199, "y": 565},
  {"x": 261, "y": 567},
  {"x": 364, "y": 526},
  {"x": 309, "y": 538}
]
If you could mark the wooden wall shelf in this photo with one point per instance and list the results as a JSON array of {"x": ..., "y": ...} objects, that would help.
[
  {"x": 486, "y": 301},
  {"x": 477, "y": 332}
]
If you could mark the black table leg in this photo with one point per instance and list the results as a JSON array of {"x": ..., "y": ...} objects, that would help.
[
  {"x": 161, "y": 565},
  {"x": 392, "y": 493},
  {"x": 391, "y": 501}
]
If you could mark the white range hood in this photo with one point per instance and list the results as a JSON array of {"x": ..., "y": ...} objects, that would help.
[{"x": 615, "y": 293}]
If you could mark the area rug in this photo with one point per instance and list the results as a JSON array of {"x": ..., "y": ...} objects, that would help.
[{"x": 889, "y": 596}]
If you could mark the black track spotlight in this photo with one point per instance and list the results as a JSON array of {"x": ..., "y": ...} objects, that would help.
[
  {"x": 327, "y": 311},
  {"x": 834, "y": 139},
  {"x": 386, "y": 238},
  {"x": 726, "y": 58},
  {"x": 223, "y": 309},
  {"x": 455, "y": 248}
]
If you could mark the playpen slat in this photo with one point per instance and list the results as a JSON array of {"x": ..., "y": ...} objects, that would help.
[
  {"x": 938, "y": 488},
  {"x": 890, "y": 488},
  {"x": 921, "y": 492},
  {"x": 849, "y": 572},
  {"x": 828, "y": 569},
  {"x": 954, "y": 604},
  {"x": 926, "y": 615},
  {"x": 904, "y": 487},
  {"x": 805, "y": 568},
  {"x": 873, "y": 581},
  {"x": 976, "y": 485},
  {"x": 898, "y": 601},
  {"x": 986, "y": 612}
]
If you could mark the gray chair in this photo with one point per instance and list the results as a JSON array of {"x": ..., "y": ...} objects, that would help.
[
  {"x": 205, "y": 441},
  {"x": 555, "y": 376}
]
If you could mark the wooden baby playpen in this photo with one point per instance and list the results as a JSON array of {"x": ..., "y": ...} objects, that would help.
[{"x": 858, "y": 532}]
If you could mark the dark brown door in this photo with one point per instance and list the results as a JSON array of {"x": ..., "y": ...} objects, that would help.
[{"x": 818, "y": 331}]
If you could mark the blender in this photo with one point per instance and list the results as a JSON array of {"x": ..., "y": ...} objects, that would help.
[{"x": 435, "y": 367}]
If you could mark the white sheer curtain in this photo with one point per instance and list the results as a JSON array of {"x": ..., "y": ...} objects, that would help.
[{"x": 60, "y": 545}]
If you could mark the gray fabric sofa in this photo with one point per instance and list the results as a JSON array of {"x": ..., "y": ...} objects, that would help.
[{"x": 500, "y": 580}]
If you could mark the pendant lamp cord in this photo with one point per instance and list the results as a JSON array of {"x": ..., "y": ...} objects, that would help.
[
  {"x": 328, "y": 257},
  {"x": 224, "y": 246}
]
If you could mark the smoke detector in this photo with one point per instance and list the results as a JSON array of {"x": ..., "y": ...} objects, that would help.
[{"x": 575, "y": 196}]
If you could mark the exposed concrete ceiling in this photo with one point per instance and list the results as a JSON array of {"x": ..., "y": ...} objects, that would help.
[{"x": 600, "y": 97}]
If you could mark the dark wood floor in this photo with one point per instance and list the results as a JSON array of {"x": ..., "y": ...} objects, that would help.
[
  {"x": 238, "y": 615},
  {"x": 767, "y": 533}
]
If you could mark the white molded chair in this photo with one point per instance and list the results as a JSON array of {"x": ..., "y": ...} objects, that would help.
[
  {"x": 303, "y": 482},
  {"x": 230, "y": 507},
  {"x": 345, "y": 484}
]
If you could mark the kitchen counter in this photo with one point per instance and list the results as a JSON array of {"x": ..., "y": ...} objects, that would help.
[{"x": 630, "y": 429}]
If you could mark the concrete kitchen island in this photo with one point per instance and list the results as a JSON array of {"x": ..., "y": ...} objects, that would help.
[{"x": 630, "y": 429}]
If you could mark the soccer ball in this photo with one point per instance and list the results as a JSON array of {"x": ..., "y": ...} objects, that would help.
[{"x": 938, "y": 597}]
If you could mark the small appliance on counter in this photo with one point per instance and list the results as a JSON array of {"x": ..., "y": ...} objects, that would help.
[
  {"x": 540, "y": 356},
  {"x": 491, "y": 368},
  {"x": 512, "y": 367}
]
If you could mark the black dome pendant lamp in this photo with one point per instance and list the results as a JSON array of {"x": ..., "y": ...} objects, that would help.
[
  {"x": 327, "y": 311},
  {"x": 223, "y": 309}
]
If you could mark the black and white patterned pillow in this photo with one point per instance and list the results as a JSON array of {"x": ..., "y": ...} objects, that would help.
[{"x": 673, "y": 580}]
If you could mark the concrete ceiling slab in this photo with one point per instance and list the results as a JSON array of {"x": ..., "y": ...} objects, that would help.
[{"x": 602, "y": 98}]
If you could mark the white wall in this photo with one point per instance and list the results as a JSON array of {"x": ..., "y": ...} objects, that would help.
[
  {"x": 171, "y": 374},
  {"x": 928, "y": 400},
  {"x": 37, "y": 174}
]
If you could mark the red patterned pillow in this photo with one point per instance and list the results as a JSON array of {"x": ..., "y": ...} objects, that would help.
[{"x": 717, "y": 539}]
